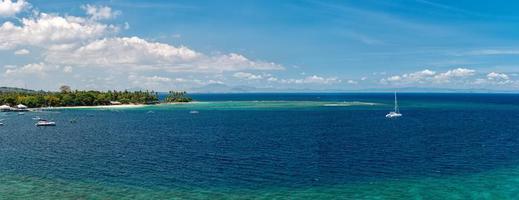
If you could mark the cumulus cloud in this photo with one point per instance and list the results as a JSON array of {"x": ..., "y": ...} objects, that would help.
[
  {"x": 147, "y": 80},
  {"x": 353, "y": 82},
  {"x": 497, "y": 76},
  {"x": 246, "y": 75},
  {"x": 52, "y": 31},
  {"x": 38, "y": 69},
  {"x": 67, "y": 69},
  {"x": 314, "y": 79},
  {"x": 9, "y": 8},
  {"x": 22, "y": 52},
  {"x": 321, "y": 80},
  {"x": 494, "y": 78},
  {"x": 454, "y": 73},
  {"x": 165, "y": 82},
  {"x": 415, "y": 77},
  {"x": 88, "y": 51},
  {"x": 100, "y": 12},
  {"x": 428, "y": 76},
  {"x": 139, "y": 54}
]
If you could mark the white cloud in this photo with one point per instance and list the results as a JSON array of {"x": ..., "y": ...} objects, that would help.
[
  {"x": 134, "y": 53},
  {"x": 52, "y": 31},
  {"x": 497, "y": 76},
  {"x": 415, "y": 77},
  {"x": 353, "y": 82},
  {"x": 393, "y": 78},
  {"x": 38, "y": 69},
  {"x": 428, "y": 76},
  {"x": 87, "y": 52},
  {"x": 22, "y": 52},
  {"x": 165, "y": 83},
  {"x": 246, "y": 75},
  {"x": 100, "y": 12},
  {"x": 320, "y": 80},
  {"x": 272, "y": 79},
  {"x": 454, "y": 73},
  {"x": 152, "y": 79},
  {"x": 9, "y": 8},
  {"x": 314, "y": 79},
  {"x": 67, "y": 69}
]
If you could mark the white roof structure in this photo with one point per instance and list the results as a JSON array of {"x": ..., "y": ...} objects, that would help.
[
  {"x": 21, "y": 106},
  {"x": 115, "y": 103}
]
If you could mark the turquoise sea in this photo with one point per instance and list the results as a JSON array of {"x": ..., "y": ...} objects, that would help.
[{"x": 269, "y": 146}]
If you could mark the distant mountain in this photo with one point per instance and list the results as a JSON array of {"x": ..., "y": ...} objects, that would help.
[
  {"x": 13, "y": 89},
  {"x": 212, "y": 88},
  {"x": 222, "y": 88},
  {"x": 436, "y": 90}
]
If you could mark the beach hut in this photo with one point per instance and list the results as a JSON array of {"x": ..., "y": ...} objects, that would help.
[
  {"x": 21, "y": 107},
  {"x": 115, "y": 103},
  {"x": 4, "y": 108}
]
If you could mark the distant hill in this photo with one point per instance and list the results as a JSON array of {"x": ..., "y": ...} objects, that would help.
[
  {"x": 13, "y": 89},
  {"x": 222, "y": 88}
]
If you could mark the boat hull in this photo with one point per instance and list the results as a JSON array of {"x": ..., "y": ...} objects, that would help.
[
  {"x": 393, "y": 115},
  {"x": 46, "y": 124}
]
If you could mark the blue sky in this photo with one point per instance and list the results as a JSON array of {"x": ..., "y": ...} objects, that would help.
[{"x": 279, "y": 45}]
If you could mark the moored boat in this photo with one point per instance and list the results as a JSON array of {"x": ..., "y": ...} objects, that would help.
[
  {"x": 396, "y": 113},
  {"x": 45, "y": 123}
]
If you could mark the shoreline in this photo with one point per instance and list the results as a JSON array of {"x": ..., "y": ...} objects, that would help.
[
  {"x": 99, "y": 106},
  {"x": 108, "y": 106},
  {"x": 275, "y": 103}
]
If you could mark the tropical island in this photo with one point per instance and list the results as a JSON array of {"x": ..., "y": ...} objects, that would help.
[{"x": 66, "y": 97}]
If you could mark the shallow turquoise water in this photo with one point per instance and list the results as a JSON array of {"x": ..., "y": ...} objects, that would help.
[
  {"x": 500, "y": 184},
  {"x": 312, "y": 146}
]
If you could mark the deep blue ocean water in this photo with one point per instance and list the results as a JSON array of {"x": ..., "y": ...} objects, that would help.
[{"x": 270, "y": 146}]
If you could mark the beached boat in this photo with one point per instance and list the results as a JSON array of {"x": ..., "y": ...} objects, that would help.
[
  {"x": 45, "y": 123},
  {"x": 5, "y": 108},
  {"x": 396, "y": 113},
  {"x": 21, "y": 108}
]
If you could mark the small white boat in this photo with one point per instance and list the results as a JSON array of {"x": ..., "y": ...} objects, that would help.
[
  {"x": 193, "y": 112},
  {"x": 21, "y": 113},
  {"x": 36, "y": 118},
  {"x": 45, "y": 123},
  {"x": 396, "y": 113}
]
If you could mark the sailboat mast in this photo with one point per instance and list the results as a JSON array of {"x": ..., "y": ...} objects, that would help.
[{"x": 396, "y": 104}]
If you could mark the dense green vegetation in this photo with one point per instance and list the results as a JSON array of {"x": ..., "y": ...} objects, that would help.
[
  {"x": 178, "y": 97},
  {"x": 76, "y": 98},
  {"x": 67, "y": 97}
]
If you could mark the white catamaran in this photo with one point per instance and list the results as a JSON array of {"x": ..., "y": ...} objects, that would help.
[{"x": 396, "y": 113}]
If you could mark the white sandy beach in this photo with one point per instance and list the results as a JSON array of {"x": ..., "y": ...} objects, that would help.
[{"x": 125, "y": 106}]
